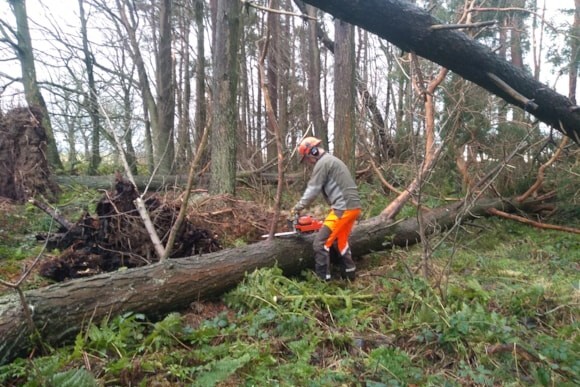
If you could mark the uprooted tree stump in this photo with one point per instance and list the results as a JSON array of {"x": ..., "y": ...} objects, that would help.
[
  {"x": 24, "y": 169},
  {"x": 116, "y": 237}
]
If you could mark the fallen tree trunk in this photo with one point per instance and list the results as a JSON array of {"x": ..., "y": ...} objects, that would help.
[
  {"x": 414, "y": 29},
  {"x": 61, "y": 310}
]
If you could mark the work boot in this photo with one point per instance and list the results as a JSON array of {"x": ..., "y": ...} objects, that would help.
[
  {"x": 322, "y": 272},
  {"x": 348, "y": 266},
  {"x": 349, "y": 274}
]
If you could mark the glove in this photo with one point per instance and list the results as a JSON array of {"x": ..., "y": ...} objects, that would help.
[
  {"x": 293, "y": 218},
  {"x": 296, "y": 211}
]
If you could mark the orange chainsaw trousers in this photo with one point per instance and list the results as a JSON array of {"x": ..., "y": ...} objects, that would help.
[
  {"x": 340, "y": 224},
  {"x": 334, "y": 233}
]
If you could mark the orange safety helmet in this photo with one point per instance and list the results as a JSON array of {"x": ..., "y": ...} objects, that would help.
[{"x": 306, "y": 146}]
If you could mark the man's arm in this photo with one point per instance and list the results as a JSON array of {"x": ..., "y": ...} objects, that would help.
[{"x": 313, "y": 188}]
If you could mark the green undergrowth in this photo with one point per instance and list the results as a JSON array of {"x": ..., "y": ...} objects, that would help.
[
  {"x": 21, "y": 224},
  {"x": 500, "y": 307}
]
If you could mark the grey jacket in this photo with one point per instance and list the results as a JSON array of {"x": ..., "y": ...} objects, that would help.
[{"x": 332, "y": 178}]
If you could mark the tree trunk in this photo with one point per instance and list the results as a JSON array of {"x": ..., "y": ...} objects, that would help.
[
  {"x": 344, "y": 93},
  {"x": 183, "y": 94},
  {"x": 150, "y": 113},
  {"x": 158, "y": 182},
  {"x": 313, "y": 74},
  {"x": 60, "y": 311},
  {"x": 574, "y": 53},
  {"x": 272, "y": 80},
  {"x": 200, "y": 79},
  {"x": 92, "y": 97},
  {"x": 165, "y": 150},
  {"x": 225, "y": 106},
  {"x": 411, "y": 28}
]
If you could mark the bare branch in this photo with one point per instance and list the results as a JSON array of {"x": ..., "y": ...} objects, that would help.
[
  {"x": 246, "y": 4},
  {"x": 462, "y": 26}
]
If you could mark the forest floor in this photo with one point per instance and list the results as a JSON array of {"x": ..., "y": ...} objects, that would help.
[{"x": 500, "y": 306}]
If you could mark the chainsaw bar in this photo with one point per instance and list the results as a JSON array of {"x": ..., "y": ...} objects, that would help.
[
  {"x": 284, "y": 234},
  {"x": 301, "y": 225}
]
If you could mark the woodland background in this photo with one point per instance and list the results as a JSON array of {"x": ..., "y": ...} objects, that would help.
[{"x": 149, "y": 73}]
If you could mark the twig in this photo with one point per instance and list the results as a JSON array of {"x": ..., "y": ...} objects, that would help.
[
  {"x": 139, "y": 203},
  {"x": 183, "y": 209},
  {"x": 274, "y": 122},
  {"x": 437, "y": 27},
  {"x": 387, "y": 184},
  {"x": 53, "y": 213},
  {"x": 247, "y": 4}
]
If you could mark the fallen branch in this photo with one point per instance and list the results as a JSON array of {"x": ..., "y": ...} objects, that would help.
[
  {"x": 52, "y": 213},
  {"x": 541, "y": 225}
]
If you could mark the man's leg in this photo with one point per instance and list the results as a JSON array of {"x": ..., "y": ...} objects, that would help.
[
  {"x": 349, "y": 265},
  {"x": 342, "y": 234},
  {"x": 321, "y": 254}
]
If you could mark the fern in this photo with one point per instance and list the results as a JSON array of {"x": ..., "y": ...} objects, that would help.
[
  {"x": 220, "y": 370},
  {"x": 73, "y": 378},
  {"x": 165, "y": 332}
]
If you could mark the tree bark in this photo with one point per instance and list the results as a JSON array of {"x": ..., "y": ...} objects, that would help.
[
  {"x": 165, "y": 150},
  {"x": 60, "y": 311},
  {"x": 409, "y": 27},
  {"x": 225, "y": 107},
  {"x": 200, "y": 120},
  {"x": 313, "y": 75},
  {"x": 344, "y": 93}
]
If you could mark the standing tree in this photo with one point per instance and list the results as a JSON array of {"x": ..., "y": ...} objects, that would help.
[
  {"x": 273, "y": 66},
  {"x": 165, "y": 150},
  {"x": 344, "y": 93},
  {"x": 314, "y": 75},
  {"x": 200, "y": 80},
  {"x": 23, "y": 49},
  {"x": 183, "y": 87},
  {"x": 574, "y": 53},
  {"x": 92, "y": 97},
  {"x": 224, "y": 85},
  {"x": 158, "y": 110}
]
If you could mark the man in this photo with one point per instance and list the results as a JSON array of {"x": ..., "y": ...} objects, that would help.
[{"x": 331, "y": 177}]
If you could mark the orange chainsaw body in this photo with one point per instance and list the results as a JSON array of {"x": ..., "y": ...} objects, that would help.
[{"x": 307, "y": 224}]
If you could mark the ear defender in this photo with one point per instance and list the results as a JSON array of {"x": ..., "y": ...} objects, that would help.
[{"x": 314, "y": 151}]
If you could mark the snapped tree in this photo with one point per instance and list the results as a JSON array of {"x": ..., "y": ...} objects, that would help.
[{"x": 414, "y": 29}]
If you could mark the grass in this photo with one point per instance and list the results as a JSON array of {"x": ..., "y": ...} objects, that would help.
[{"x": 499, "y": 308}]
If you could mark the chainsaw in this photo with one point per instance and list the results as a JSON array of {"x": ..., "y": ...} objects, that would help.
[{"x": 299, "y": 225}]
